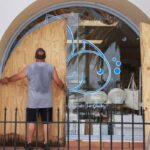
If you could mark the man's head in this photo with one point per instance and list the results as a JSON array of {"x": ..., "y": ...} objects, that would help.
[{"x": 40, "y": 54}]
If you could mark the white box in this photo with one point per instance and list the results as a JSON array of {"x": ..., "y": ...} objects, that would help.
[
  {"x": 127, "y": 128},
  {"x": 96, "y": 129},
  {"x": 128, "y": 131},
  {"x": 73, "y": 128},
  {"x": 73, "y": 118},
  {"x": 128, "y": 119},
  {"x": 82, "y": 127},
  {"x": 73, "y": 125}
]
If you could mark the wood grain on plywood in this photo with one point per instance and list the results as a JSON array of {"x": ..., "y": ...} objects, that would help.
[{"x": 51, "y": 37}]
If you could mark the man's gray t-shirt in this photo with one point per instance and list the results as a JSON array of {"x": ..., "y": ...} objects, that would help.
[{"x": 40, "y": 75}]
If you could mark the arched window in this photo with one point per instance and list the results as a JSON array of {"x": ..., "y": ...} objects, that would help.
[{"x": 103, "y": 53}]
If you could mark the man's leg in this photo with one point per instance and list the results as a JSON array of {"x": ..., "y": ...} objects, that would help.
[
  {"x": 31, "y": 119},
  {"x": 30, "y": 130},
  {"x": 45, "y": 126},
  {"x": 46, "y": 116}
]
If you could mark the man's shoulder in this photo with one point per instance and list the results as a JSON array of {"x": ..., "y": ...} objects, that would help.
[
  {"x": 48, "y": 64},
  {"x": 41, "y": 64},
  {"x": 30, "y": 65}
]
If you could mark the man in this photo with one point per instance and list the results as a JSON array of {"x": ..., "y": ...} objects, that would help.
[{"x": 40, "y": 75}]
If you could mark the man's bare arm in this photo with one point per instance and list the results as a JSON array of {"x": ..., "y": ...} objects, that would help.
[
  {"x": 22, "y": 74},
  {"x": 57, "y": 80}
]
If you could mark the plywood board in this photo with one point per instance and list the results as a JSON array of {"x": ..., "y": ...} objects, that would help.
[
  {"x": 52, "y": 38},
  {"x": 145, "y": 61}
]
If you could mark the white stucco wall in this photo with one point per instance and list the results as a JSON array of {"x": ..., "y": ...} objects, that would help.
[
  {"x": 144, "y": 5},
  {"x": 9, "y": 9}
]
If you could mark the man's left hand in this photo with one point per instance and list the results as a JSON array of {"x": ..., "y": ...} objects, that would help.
[{"x": 65, "y": 87}]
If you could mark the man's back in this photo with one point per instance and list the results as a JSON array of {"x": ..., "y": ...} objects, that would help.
[{"x": 40, "y": 77}]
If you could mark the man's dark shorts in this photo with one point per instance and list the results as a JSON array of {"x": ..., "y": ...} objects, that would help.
[{"x": 46, "y": 114}]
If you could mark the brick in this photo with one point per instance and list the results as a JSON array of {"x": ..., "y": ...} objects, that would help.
[
  {"x": 137, "y": 145},
  {"x": 116, "y": 145}
]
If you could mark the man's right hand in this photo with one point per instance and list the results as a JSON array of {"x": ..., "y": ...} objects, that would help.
[{"x": 4, "y": 80}]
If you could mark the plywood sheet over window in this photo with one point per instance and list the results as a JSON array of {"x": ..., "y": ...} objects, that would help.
[
  {"x": 145, "y": 61},
  {"x": 52, "y": 38}
]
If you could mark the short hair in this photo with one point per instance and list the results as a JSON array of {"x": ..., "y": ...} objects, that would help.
[{"x": 40, "y": 53}]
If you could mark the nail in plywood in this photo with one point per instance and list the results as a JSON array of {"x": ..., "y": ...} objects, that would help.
[{"x": 52, "y": 38}]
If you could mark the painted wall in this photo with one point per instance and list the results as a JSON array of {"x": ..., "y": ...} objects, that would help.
[
  {"x": 144, "y": 5},
  {"x": 9, "y": 9}
]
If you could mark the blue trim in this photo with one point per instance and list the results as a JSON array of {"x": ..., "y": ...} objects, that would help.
[{"x": 96, "y": 52}]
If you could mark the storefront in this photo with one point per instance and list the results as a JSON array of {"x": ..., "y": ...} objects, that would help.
[{"x": 103, "y": 62}]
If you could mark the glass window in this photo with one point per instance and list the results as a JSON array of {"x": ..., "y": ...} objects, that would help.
[{"x": 103, "y": 56}]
